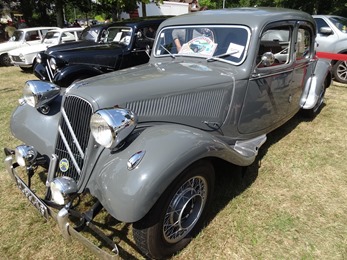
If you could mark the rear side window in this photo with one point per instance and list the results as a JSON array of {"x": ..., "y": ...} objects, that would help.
[{"x": 276, "y": 40}]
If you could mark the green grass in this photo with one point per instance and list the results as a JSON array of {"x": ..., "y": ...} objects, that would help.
[{"x": 290, "y": 204}]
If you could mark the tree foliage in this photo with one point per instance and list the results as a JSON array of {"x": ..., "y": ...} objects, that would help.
[{"x": 48, "y": 12}]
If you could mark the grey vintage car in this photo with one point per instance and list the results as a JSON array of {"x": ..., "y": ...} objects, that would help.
[{"x": 144, "y": 142}]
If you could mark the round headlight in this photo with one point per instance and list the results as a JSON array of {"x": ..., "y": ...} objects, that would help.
[
  {"x": 37, "y": 93},
  {"x": 29, "y": 95},
  {"x": 111, "y": 126},
  {"x": 101, "y": 130},
  {"x": 21, "y": 56},
  {"x": 39, "y": 58},
  {"x": 53, "y": 64}
]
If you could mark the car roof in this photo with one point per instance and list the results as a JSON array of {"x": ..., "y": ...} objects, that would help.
[
  {"x": 260, "y": 16},
  {"x": 71, "y": 29},
  {"x": 37, "y": 28}
]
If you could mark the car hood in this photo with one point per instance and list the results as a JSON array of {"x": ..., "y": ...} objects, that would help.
[
  {"x": 71, "y": 46},
  {"x": 28, "y": 49},
  {"x": 96, "y": 54},
  {"x": 7, "y": 46},
  {"x": 180, "y": 92}
]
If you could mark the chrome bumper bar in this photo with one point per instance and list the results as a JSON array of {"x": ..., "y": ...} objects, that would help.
[{"x": 61, "y": 217}]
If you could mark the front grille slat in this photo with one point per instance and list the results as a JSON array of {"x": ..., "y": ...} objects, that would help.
[{"x": 75, "y": 132}]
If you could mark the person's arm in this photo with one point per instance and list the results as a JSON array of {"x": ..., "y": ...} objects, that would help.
[{"x": 178, "y": 44}]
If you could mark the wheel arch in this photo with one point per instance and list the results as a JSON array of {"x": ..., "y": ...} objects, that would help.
[{"x": 128, "y": 195}]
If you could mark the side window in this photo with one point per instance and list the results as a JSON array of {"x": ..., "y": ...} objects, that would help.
[
  {"x": 275, "y": 40},
  {"x": 303, "y": 43},
  {"x": 32, "y": 36},
  {"x": 145, "y": 36}
]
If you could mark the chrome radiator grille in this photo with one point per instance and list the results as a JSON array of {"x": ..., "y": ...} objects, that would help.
[{"x": 74, "y": 132}]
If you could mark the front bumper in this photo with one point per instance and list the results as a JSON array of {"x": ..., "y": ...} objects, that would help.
[{"x": 61, "y": 217}]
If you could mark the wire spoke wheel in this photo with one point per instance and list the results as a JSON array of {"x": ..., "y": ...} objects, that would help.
[
  {"x": 179, "y": 214},
  {"x": 185, "y": 209}
]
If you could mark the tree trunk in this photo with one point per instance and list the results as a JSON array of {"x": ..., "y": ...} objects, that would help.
[
  {"x": 144, "y": 11},
  {"x": 59, "y": 13}
]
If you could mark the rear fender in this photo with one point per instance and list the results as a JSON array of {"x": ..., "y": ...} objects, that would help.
[
  {"x": 168, "y": 149},
  {"x": 316, "y": 84}
]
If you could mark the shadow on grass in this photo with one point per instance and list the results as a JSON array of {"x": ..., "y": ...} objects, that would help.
[{"x": 233, "y": 180}]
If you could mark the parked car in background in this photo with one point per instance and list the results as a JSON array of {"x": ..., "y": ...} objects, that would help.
[
  {"x": 21, "y": 38},
  {"x": 145, "y": 142},
  {"x": 123, "y": 45},
  {"x": 332, "y": 37},
  {"x": 25, "y": 57}
]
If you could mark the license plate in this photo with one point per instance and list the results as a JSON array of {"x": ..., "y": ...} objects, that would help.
[{"x": 31, "y": 196}]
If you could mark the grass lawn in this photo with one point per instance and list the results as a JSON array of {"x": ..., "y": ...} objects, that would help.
[{"x": 290, "y": 204}]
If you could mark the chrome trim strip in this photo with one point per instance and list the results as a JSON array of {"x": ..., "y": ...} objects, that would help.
[
  {"x": 69, "y": 150},
  {"x": 72, "y": 132},
  {"x": 49, "y": 73},
  {"x": 51, "y": 169}
]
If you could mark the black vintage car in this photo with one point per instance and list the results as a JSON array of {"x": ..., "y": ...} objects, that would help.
[{"x": 122, "y": 45}]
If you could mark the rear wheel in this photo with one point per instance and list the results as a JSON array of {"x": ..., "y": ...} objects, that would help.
[
  {"x": 340, "y": 71},
  {"x": 178, "y": 215},
  {"x": 5, "y": 60}
]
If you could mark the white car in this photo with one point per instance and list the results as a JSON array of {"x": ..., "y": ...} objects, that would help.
[
  {"x": 25, "y": 57},
  {"x": 22, "y": 37},
  {"x": 332, "y": 38}
]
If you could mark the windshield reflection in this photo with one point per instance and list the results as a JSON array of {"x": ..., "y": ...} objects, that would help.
[{"x": 228, "y": 43}]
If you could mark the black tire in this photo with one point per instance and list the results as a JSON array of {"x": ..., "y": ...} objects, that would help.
[
  {"x": 340, "y": 71},
  {"x": 178, "y": 215},
  {"x": 25, "y": 69},
  {"x": 5, "y": 60}
]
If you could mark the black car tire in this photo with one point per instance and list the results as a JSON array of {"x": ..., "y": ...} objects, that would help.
[
  {"x": 340, "y": 71},
  {"x": 184, "y": 204},
  {"x": 5, "y": 60}
]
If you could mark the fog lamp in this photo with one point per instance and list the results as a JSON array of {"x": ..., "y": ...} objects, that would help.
[
  {"x": 62, "y": 189},
  {"x": 25, "y": 155}
]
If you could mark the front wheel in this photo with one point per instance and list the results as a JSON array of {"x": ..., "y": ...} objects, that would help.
[
  {"x": 5, "y": 60},
  {"x": 179, "y": 213},
  {"x": 340, "y": 71}
]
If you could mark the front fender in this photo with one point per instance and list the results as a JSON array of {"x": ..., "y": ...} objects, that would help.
[
  {"x": 27, "y": 124},
  {"x": 40, "y": 72},
  {"x": 129, "y": 194},
  {"x": 314, "y": 86},
  {"x": 67, "y": 75}
]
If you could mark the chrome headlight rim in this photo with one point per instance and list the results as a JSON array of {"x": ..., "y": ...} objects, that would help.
[
  {"x": 37, "y": 93},
  {"x": 111, "y": 126},
  {"x": 53, "y": 63},
  {"x": 39, "y": 58}
]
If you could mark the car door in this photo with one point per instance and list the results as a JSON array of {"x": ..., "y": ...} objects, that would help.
[
  {"x": 304, "y": 65},
  {"x": 268, "y": 95},
  {"x": 325, "y": 40}
]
